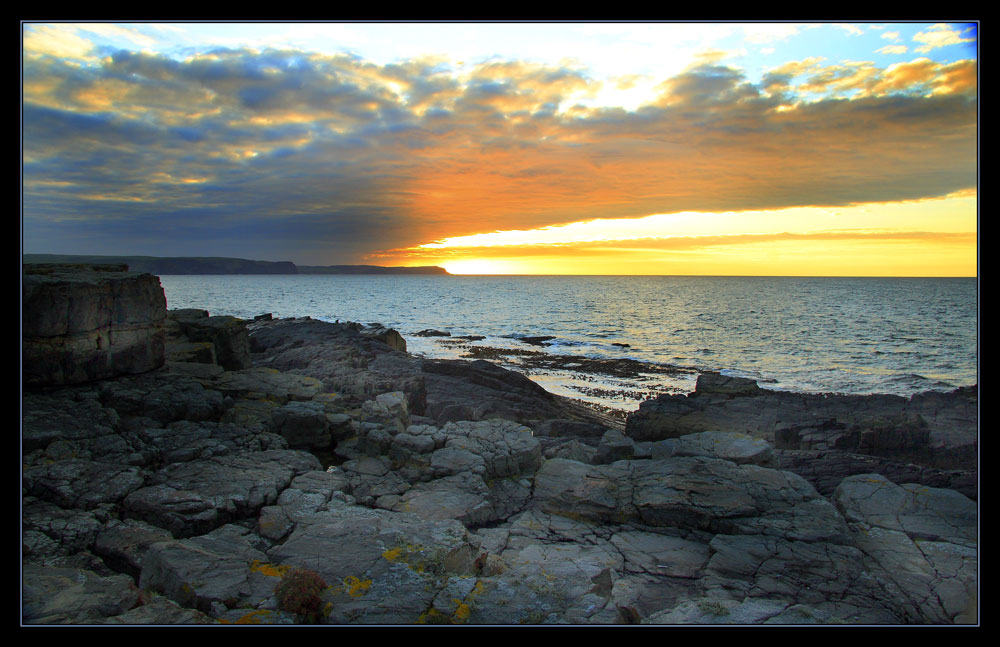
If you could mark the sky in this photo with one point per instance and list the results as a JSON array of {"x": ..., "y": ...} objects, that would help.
[{"x": 514, "y": 148}]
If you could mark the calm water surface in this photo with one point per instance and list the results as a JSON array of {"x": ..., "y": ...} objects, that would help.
[{"x": 847, "y": 335}]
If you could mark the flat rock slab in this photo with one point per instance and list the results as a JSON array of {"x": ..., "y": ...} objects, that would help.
[
  {"x": 162, "y": 396},
  {"x": 122, "y": 544},
  {"x": 160, "y": 611},
  {"x": 924, "y": 538},
  {"x": 383, "y": 567},
  {"x": 195, "y": 497},
  {"x": 689, "y": 492},
  {"x": 50, "y": 531},
  {"x": 82, "y": 484},
  {"x": 265, "y": 382},
  {"x": 210, "y": 573},
  {"x": 731, "y": 446},
  {"x": 73, "y": 596},
  {"x": 64, "y": 415},
  {"x": 184, "y": 441}
]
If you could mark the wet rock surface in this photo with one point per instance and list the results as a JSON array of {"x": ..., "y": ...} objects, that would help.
[{"x": 455, "y": 492}]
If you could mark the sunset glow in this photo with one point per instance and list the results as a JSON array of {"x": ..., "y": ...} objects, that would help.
[{"x": 631, "y": 148}]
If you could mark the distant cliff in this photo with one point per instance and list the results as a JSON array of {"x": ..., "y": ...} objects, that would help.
[
  {"x": 212, "y": 265},
  {"x": 368, "y": 269}
]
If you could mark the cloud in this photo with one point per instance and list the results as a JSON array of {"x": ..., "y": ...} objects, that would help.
[
  {"x": 55, "y": 40},
  {"x": 942, "y": 35},
  {"x": 892, "y": 49},
  {"x": 669, "y": 244},
  {"x": 319, "y": 159},
  {"x": 852, "y": 30}
]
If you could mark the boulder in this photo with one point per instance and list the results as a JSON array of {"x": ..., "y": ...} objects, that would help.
[
  {"x": 228, "y": 337},
  {"x": 82, "y": 323}
]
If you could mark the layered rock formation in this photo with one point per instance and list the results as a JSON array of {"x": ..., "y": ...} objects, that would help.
[
  {"x": 932, "y": 429},
  {"x": 423, "y": 491},
  {"x": 89, "y": 323}
]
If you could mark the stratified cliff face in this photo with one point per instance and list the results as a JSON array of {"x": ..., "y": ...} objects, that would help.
[
  {"x": 218, "y": 265},
  {"x": 85, "y": 323},
  {"x": 173, "y": 265}
]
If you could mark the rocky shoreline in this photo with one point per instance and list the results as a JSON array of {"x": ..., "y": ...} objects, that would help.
[{"x": 182, "y": 468}]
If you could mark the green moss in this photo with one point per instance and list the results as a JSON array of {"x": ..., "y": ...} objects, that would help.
[{"x": 713, "y": 607}]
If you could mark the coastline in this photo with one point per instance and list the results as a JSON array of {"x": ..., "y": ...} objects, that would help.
[
  {"x": 185, "y": 490},
  {"x": 781, "y": 334}
]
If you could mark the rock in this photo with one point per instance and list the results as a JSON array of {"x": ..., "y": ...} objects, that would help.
[
  {"x": 122, "y": 544},
  {"x": 468, "y": 495},
  {"x": 262, "y": 382},
  {"x": 749, "y": 611},
  {"x": 303, "y": 424},
  {"x": 825, "y": 469},
  {"x": 85, "y": 323},
  {"x": 695, "y": 493},
  {"x": 388, "y": 409},
  {"x": 383, "y": 566},
  {"x": 187, "y": 352},
  {"x": 70, "y": 417},
  {"x": 719, "y": 384},
  {"x": 360, "y": 368},
  {"x": 537, "y": 340},
  {"x": 569, "y": 428},
  {"x": 458, "y": 390},
  {"x": 923, "y": 538},
  {"x": 73, "y": 596},
  {"x": 730, "y": 446},
  {"x": 202, "y": 572},
  {"x": 614, "y": 446},
  {"x": 430, "y": 332},
  {"x": 159, "y": 610},
  {"x": 198, "y": 496},
  {"x": 82, "y": 484},
  {"x": 387, "y": 336},
  {"x": 935, "y": 431},
  {"x": 49, "y": 531},
  {"x": 227, "y": 335},
  {"x": 164, "y": 397},
  {"x": 184, "y": 441}
]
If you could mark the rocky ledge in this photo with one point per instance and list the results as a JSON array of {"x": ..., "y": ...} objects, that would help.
[{"x": 296, "y": 471}]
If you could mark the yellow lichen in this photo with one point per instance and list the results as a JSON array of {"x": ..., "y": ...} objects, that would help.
[
  {"x": 355, "y": 587},
  {"x": 253, "y": 618},
  {"x": 404, "y": 554},
  {"x": 462, "y": 611},
  {"x": 433, "y": 617},
  {"x": 271, "y": 570}
]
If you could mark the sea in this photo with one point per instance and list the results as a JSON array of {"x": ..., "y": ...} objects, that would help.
[{"x": 614, "y": 341}]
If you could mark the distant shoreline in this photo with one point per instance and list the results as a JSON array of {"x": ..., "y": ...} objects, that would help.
[{"x": 180, "y": 265}]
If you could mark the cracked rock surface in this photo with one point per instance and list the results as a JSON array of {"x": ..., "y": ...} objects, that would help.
[{"x": 185, "y": 496}]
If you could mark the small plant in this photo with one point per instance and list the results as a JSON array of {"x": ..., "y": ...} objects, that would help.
[
  {"x": 298, "y": 593},
  {"x": 713, "y": 607}
]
